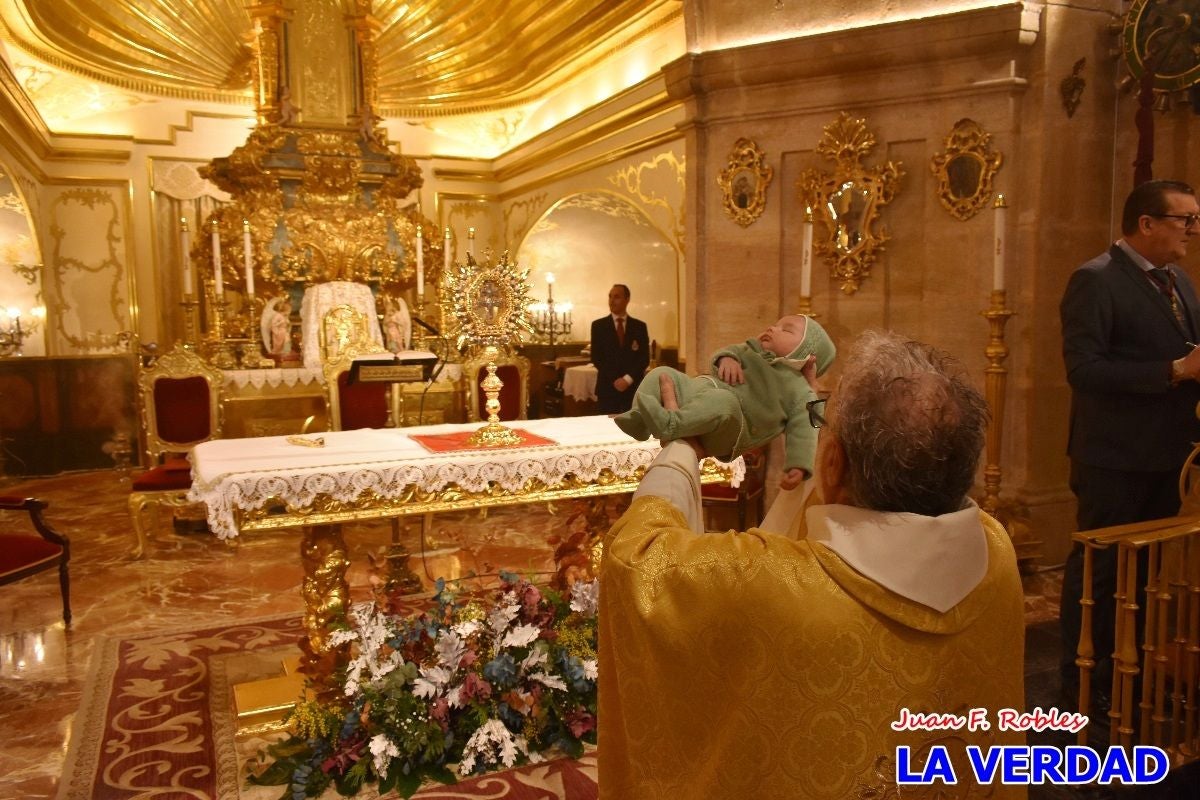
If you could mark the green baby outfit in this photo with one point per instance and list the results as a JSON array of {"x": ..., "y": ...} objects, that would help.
[{"x": 731, "y": 419}]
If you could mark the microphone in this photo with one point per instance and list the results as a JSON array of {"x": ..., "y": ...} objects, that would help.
[{"x": 426, "y": 326}]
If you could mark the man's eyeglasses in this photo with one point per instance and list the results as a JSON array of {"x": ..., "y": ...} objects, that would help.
[
  {"x": 1188, "y": 219},
  {"x": 816, "y": 412}
]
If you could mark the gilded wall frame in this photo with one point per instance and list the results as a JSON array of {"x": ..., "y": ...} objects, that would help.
[
  {"x": 744, "y": 182},
  {"x": 966, "y": 169},
  {"x": 848, "y": 200}
]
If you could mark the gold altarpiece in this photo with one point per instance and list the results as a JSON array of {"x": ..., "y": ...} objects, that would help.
[{"x": 316, "y": 193}]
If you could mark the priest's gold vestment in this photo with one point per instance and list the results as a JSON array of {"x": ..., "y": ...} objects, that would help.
[{"x": 750, "y": 665}]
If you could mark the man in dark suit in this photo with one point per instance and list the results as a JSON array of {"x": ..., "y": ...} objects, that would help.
[
  {"x": 621, "y": 353},
  {"x": 1130, "y": 318}
]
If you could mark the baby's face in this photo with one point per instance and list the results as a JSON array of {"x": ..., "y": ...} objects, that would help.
[{"x": 784, "y": 336}]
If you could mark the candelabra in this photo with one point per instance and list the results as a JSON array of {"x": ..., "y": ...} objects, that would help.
[
  {"x": 995, "y": 378},
  {"x": 550, "y": 320},
  {"x": 221, "y": 351},
  {"x": 12, "y": 338}
]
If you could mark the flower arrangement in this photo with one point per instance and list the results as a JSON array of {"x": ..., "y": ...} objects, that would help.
[{"x": 462, "y": 688}]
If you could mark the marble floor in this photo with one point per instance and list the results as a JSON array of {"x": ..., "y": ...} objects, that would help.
[{"x": 188, "y": 578}]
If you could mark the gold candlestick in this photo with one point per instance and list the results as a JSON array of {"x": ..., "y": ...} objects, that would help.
[
  {"x": 419, "y": 334},
  {"x": 191, "y": 325},
  {"x": 220, "y": 351},
  {"x": 804, "y": 306},
  {"x": 252, "y": 356},
  {"x": 995, "y": 378}
]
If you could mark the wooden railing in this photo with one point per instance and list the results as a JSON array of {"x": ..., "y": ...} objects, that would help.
[{"x": 1155, "y": 669}]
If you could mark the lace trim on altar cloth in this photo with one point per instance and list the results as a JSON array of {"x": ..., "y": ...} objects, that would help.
[
  {"x": 288, "y": 376},
  {"x": 509, "y": 471}
]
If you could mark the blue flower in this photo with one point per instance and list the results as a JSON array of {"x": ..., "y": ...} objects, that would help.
[{"x": 501, "y": 671}]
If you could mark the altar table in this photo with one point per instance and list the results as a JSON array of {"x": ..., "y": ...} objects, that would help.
[{"x": 268, "y": 483}]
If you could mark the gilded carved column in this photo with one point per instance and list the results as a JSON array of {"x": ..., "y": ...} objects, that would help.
[
  {"x": 268, "y": 19},
  {"x": 326, "y": 601}
]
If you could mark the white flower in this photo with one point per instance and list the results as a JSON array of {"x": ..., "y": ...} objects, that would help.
[
  {"x": 467, "y": 628},
  {"x": 431, "y": 682},
  {"x": 590, "y": 670},
  {"x": 382, "y": 752},
  {"x": 585, "y": 597},
  {"x": 450, "y": 649},
  {"x": 552, "y": 681},
  {"x": 500, "y": 617},
  {"x": 520, "y": 636},
  {"x": 536, "y": 658},
  {"x": 492, "y": 742}
]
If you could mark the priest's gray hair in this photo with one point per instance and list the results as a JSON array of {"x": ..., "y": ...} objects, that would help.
[{"x": 911, "y": 425}]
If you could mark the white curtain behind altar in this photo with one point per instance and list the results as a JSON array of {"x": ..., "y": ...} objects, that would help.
[{"x": 179, "y": 193}]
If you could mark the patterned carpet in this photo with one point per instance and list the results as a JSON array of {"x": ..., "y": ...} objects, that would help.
[{"x": 157, "y": 721}]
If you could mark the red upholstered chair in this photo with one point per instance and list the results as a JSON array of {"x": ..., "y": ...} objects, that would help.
[
  {"x": 180, "y": 399},
  {"x": 722, "y": 495},
  {"x": 23, "y": 554},
  {"x": 357, "y": 405},
  {"x": 513, "y": 371}
]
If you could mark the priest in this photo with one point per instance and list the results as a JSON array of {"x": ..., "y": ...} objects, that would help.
[{"x": 750, "y": 664}]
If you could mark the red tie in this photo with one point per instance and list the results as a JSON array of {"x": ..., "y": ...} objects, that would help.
[{"x": 620, "y": 331}]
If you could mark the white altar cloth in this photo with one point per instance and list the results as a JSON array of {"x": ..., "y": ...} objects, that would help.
[{"x": 229, "y": 475}]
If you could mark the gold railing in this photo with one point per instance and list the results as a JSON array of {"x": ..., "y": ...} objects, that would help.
[{"x": 1155, "y": 669}]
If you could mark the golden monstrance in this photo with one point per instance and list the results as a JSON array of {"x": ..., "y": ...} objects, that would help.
[{"x": 489, "y": 302}]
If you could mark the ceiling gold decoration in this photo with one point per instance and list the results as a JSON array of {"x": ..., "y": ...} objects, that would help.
[{"x": 435, "y": 58}]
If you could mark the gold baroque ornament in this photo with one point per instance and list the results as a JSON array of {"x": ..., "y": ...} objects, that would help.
[
  {"x": 847, "y": 201},
  {"x": 490, "y": 305},
  {"x": 966, "y": 169},
  {"x": 744, "y": 182}
]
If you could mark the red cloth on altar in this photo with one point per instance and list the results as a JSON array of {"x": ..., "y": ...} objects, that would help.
[{"x": 453, "y": 442}]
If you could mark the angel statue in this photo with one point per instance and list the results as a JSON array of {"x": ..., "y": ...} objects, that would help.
[
  {"x": 276, "y": 326},
  {"x": 397, "y": 324}
]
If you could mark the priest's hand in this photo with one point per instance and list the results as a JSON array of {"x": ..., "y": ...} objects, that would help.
[{"x": 670, "y": 401}]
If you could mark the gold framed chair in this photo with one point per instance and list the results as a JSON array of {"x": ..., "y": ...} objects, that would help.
[
  {"x": 179, "y": 399},
  {"x": 751, "y": 490},
  {"x": 345, "y": 337},
  {"x": 513, "y": 371}
]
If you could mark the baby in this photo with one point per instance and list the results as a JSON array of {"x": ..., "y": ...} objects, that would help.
[{"x": 761, "y": 389}]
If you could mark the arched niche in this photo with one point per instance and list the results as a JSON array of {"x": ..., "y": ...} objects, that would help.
[
  {"x": 592, "y": 240},
  {"x": 20, "y": 268}
]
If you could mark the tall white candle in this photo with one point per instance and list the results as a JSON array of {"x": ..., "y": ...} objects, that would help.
[
  {"x": 998, "y": 256},
  {"x": 185, "y": 245},
  {"x": 420, "y": 261},
  {"x": 218, "y": 280},
  {"x": 446, "y": 249},
  {"x": 806, "y": 255},
  {"x": 471, "y": 242},
  {"x": 248, "y": 258}
]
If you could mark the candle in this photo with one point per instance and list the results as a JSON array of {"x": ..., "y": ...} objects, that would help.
[
  {"x": 248, "y": 259},
  {"x": 470, "y": 241},
  {"x": 218, "y": 280},
  {"x": 420, "y": 261},
  {"x": 998, "y": 256},
  {"x": 185, "y": 244},
  {"x": 446, "y": 249},
  {"x": 806, "y": 255}
]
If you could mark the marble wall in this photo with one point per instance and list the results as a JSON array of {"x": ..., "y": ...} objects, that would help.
[{"x": 910, "y": 81}]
